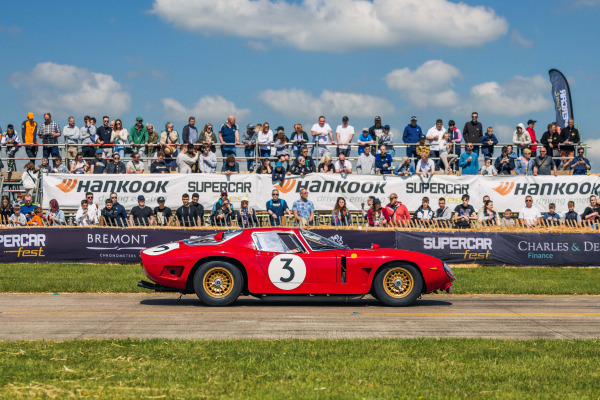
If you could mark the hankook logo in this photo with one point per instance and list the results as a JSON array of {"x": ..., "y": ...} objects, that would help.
[
  {"x": 504, "y": 188},
  {"x": 67, "y": 185},
  {"x": 286, "y": 186},
  {"x": 327, "y": 186}
]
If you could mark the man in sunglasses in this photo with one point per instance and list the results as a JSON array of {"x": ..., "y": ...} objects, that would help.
[
  {"x": 116, "y": 166},
  {"x": 529, "y": 216},
  {"x": 277, "y": 207},
  {"x": 120, "y": 212}
]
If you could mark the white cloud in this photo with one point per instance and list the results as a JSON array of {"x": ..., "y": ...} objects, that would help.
[
  {"x": 593, "y": 154},
  {"x": 516, "y": 96},
  {"x": 67, "y": 89},
  {"x": 338, "y": 26},
  {"x": 301, "y": 104},
  {"x": 428, "y": 85},
  {"x": 516, "y": 39},
  {"x": 207, "y": 108}
]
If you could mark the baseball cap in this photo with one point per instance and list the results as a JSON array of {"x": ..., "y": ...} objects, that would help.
[
  {"x": 387, "y": 127},
  {"x": 365, "y": 130},
  {"x": 531, "y": 122},
  {"x": 99, "y": 151},
  {"x": 377, "y": 118},
  {"x": 139, "y": 119},
  {"x": 244, "y": 199},
  {"x": 249, "y": 126},
  {"x": 29, "y": 115},
  {"x": 345, "y": 118},
  {"x": 422, "y": 136},
  {"x": 141, "y": 197},
  {"x": 413, "y": 118},
  {"x": 223, "y": 192},
  {"x": 280, "y": 128},
  {"x": 393, "y": 195},
  {"x": 278, "y": 164},
  {"x": 161, "y": 199}
]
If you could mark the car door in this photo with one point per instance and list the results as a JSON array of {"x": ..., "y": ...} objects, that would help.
[{"x": 288, "y": 263}]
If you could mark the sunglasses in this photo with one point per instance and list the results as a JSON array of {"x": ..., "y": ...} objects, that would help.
[{"x": 113, "y": 197}]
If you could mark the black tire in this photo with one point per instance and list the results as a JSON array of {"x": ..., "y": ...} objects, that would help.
[
  {"x": 218, "y": 283},
  {"x": 398, "y": 285}
]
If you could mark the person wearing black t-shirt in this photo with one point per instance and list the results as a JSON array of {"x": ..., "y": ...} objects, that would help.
[
  {"x": 141, "y": 214},
  {"x": 199, "y": 207},
  {"x": 159, "y": 166},
  {"x": 186, "y": 215},
  {"x": 98, "y": 163},
  {"x": 163, "y": 214},
  {"x": 592, "y": 213},
  {"x": 464, "y": 213}
]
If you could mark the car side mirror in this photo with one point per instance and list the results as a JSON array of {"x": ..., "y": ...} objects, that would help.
[
  {"x": 219, "y": 236},
  {"x": 374, "y": 246}
]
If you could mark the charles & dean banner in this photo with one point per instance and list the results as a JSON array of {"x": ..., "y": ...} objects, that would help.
[{"x": 324, "y": 189}]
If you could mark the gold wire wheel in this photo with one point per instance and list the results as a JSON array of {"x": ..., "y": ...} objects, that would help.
[
  {"x": 218, "y": 282},
  {"x": 398, "y": 282}
]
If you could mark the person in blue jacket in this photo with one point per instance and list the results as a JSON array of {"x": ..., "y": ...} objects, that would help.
[
  {"x": 469, "y": 161},
  {"x": 411, "y": 134},
  {"x": 488, "y": 141},
  {"x": 383, "y": 161}
]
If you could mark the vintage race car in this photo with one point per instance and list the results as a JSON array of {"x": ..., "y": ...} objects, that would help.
[{"x": 268, "y": 262}]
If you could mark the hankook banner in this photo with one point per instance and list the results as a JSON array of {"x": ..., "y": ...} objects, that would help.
[
  {"x": 324, "y": 189},
  {"x": 123, "y": 245},
  {"x": 506, "y": 248}
]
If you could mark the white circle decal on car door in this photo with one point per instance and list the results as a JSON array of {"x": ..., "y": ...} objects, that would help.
[{"x": 287, "y": 271}]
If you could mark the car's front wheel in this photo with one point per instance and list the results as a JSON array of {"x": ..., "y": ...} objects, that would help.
[
  {"x": 398, "y": 285},
  {"x": 218, "y": 283}
]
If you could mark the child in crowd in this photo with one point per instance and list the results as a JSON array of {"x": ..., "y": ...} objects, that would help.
[{"x": 507, "y": 219}]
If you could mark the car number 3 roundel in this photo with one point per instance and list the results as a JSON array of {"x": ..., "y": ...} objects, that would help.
[
  {"x": 287, "y": 271},
  {"x": 162, "y": 249}
]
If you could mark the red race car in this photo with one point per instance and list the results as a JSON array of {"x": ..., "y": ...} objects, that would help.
[{"x": 267, "y": 262}]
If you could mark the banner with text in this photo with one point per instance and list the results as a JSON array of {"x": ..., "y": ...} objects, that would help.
[{"x": 324, "y": 189}]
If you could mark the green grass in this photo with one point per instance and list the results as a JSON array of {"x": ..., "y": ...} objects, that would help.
[
  {"x": 300, "y": 369},
  {"x": 116, "y": 278}
]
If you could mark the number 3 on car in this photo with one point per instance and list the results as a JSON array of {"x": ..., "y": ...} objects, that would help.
[{"x": 289, "y": 262}]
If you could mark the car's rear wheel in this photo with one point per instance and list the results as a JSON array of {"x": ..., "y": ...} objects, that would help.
[
  {"x": 218, "y": 283},
  {"x": 398, "y": 285}
]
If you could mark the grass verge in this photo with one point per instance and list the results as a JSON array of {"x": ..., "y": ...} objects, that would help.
[
  {"x": 117, "y": 278},
  {"x": 299, "y": 369}
]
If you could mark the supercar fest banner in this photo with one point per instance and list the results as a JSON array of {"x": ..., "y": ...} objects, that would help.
[{"x": 324, "y": 189}]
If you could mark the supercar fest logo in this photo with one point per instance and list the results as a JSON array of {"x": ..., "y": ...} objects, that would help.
[{"x": 24, "y": 245}]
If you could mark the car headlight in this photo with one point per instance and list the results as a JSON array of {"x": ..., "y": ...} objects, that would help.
[{"x": 448, "y": 270}]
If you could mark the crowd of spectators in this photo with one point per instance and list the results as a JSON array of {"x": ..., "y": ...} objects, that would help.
[{"x": 92, "y": 149}]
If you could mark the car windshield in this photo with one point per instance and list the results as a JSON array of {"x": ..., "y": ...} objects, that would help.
[
  {"x": 210, "y": 239},
  {"x": 318, "y": 242}
]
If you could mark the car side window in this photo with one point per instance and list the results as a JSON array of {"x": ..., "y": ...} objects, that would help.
[{"x": 278, "y": 242}]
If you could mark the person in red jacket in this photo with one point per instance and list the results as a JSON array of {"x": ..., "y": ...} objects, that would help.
[
  {"x": 534, "y": 141},
  {"x": 377, "y": 215},
  {"x": 399, "y": 215}
]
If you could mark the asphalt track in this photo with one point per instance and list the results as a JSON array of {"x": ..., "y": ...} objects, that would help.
[{"x": 76, "y": 316}]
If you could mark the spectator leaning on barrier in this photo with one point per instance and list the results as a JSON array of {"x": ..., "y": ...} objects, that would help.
[
  {"x": 571, "y": 217},
  {"x": 249, "y": 139},
  {"x": 110, "y": 215},
  {"x": 412, "y": 133},
  {"x": 399, "y": 215},
  {"x": 186, "y": 158},
  {"x": 199, "y": 207},
  {"x": 116, "y": 166},
  {"x": 580, "y": 164},
  {"x": 138, "y": 135},
  {"x": 524, "y": 164},
  {"x": 164, "y": 216},
  {"x": 121, "y": 214},
  {"x": 186, "y": 215},
  {"x": 326, "y": 165},
  {"x": 49, "y": 132},
  {"x": 473, "y": 132},
  {"x": 141, "y": 215},
  {"x": 229, "y": 135},
  {"x": 98, "y": 165},
  {"x": 464, "y": 213},
  {"x": 322, "y": 136},
  {"x": 265, "y": 167},
  {"x": 6, "y": 210},
  {"x": 59, "y": 167},
  {"x": 189, "y": 133},
  {"x": 278, "y": 174},
  {"x": 424, "y": 214},
  {"x": 230, "y": 166},
  {"x": 85, "y": 216},
  {"x": 364, "y": 140},
  {"x": 17, "y": 218},
  {"x": 79, "y": 165},
  {"x": 504, "y": 164},
  {"x": 223, "y": 213},
  {"x": 443, "y": 214},
  {"x": 340, "y": 216},
  {"x": 135, "y": 165},
  {"x": 485, "y": 199},
  {"x": 454, "y": 137},
  {"x": 29, "y": 136},
  {"x": 591, "y": 214},
  {"x": 488, "y": 169},
  {"x": 246, "y": 216},
  {"x": 551, "y": 140},
  {"x": 376, "y": 130},
  {"x": 208, "y": 138},
  {"x": 303, "y": 209},
  {"x": 10, "y": 139},
  {"x": 159, "y": 166},
  {"x": 521, "y": 138},
  {"x": 92, "y": 207},
  {"x": 365, "y": 164},
  {"x": 344, "y": 134},
  {"x": 265, "y": 140},
  {"x": 378, "y": 216},
  {"x": 72, "y": 136},
  {"x": 543, "y": 164},
  {"x": 469, "y": 161},
  {"x": 425, "y": 166},
  {"x": 422, "y": 147},
  {"x": 488, "y": 141},
  {"x": 488, "y": 216},
  {"x": 446, "y": 153},
  {"x": 434, "y": 136},
  {"x": 531, "y": 130},
  {"x": 44, "y": 168},
  {"x": 276, "y": 208},
  {"x": 281, "y": 145},
  {"x": 569, "y": 137},
  {"x": 207, "y": 160},
  {"x": 529, "y": 216},
  {"x": 38, "y": 218},
  {"x": 387, "y": 140},
  {"x": 153, "y": 140},
  {"x": 55, "y": 216},
  {"x": 119, "y": 137},
  {"x": 552, "y": 217},
  {"x": 304, "y": 164},
  {"x": 298, "y": 139},
  {"x": 406, "y": 168},
  {"x": 104, "y": 136},
  {"x": 343, "y": 166},
  {"x": 88, "y": 135},
  {"x": 383, "y": 161},
  {"x": 507, "y": 219},
  {"x": 370, "y": 200}
]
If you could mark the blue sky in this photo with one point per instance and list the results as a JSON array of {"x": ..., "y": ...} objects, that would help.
[{"x": 287, "y": 62}]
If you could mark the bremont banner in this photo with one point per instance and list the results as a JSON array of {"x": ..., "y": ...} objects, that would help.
[{"x": 324, "y": 189}]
